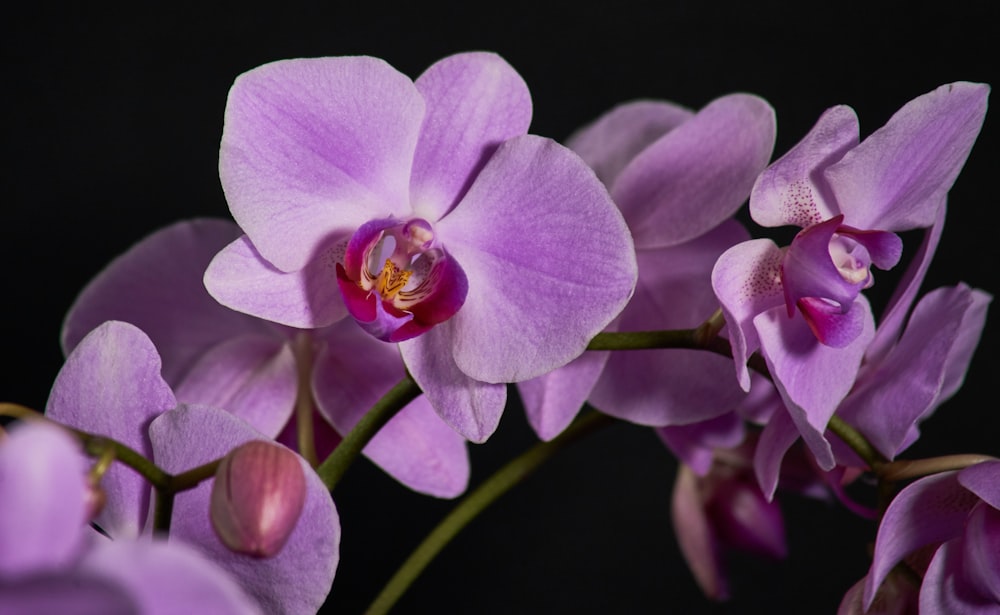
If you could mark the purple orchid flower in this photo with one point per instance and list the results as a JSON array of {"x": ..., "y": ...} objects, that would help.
[
  {"x": 957, "y": 514},
  {"x": 423, "y": 210},
  {"x": 801, "y": 306},
  {"x": 895, "y": 390},
  {"x": 260, "y": 370},
  {"x": 111, "y": 385},
  {"x": 677, "y": 177},
  {"x": 51, "y": 561}
]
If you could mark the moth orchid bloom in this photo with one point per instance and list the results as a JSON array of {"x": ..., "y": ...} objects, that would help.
[
  {"x": 957, "y": 515},
  {"x": 423, "y": 210},
  {"x": 801, "y": 305},
  {"x": 111, "y": 385},
  {"x": 678, "y": 176},
  {"x": 52, "y": 561},
  {"x": 262, "y": 371}
]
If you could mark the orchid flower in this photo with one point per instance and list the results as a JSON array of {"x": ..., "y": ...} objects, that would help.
[
  {"x": 111, "y": 385},
  {"x": 51, "y": 561},
  {"x": 957, "y": 515},
  {"x": 424, "y": 211},
  {"x": 260, "y": 370},
  {"x": 677, "y": 177},
  {"x": 801, "y": 305}
]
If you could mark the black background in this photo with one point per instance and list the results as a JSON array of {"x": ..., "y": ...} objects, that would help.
[{"x": 111, "y": 131}]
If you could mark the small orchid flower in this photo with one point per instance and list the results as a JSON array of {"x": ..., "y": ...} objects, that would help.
[
  {"x": 801, "y": 305},
  {"x": 677, "y": 177},
  {"x": 51, "y": 561},
  {"x": 424, "y": 211},
  {"x": 111, "y": 385},
  {"x": 259, "y": 370},
  {"x": 957, "y": 514}
]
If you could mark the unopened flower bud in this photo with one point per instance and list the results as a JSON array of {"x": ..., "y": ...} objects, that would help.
[{"x": 257, "y": 498}]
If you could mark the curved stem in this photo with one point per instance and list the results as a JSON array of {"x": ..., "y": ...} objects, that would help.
[
  {"x": 858, "y": 443},
  {"x": 304, "y": 399},
  {"x": 906, "y": 469},
  {"x": 195, "y": 476},
  {"x": 488, "y": 492},
  {"x": 335, "y": 466}
]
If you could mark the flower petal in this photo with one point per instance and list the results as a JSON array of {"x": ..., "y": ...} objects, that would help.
[
  {"x": 474, "y": 101},
  {"x": 548, "y": 258},
  {"x": 698, "y": 174},
  {"x": 747, "y": 281},
  {"x": 157, "y": 286},
  {"x": 239, "y": 278},
  {"x": 110, "y": 385},
  {"x": 696, "y": 536},
  {"x": 694, "y": 444},
  {"x": 313, "y": 147},
  {"x": 551, "y": 401},
  {"x": 611, "y": 141},
  {"x": 930, "y": 510},
  {"x": 252, "y": 376},
  {"x": 896, "y": 178},
  {"x": 415, "y": 447},
  {"x": 791, "y": 191},
  {"x": 812, "y": 378},
  {"x": 470, "y": 406},
  {"x": 981, "y": 553},
  {"x": 945, "y": 591},
  {"x": 43, "y": 487},
  {"x": 296, "y": 580},
  {"x": 70, "y": 591},
  {"x": 983, "y": 479},
  {"x": 778, "y": 436}
]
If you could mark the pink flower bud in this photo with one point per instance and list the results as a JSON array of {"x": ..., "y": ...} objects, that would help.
[{"x": 257, "y": 498}]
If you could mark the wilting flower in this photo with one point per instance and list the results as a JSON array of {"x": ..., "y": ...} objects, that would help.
[
  {"x": 490, "y": 255},
  {"x": 677, "y": 177},
  {"x": 801, "y": 306},
  {"x": 111, "y": 385},
  {"x": 260, "y": 370},
  {"x": 52, "y": 561},
  {"x": 957, "y": 514}
]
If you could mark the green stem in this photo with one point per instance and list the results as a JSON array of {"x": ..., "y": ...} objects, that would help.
[
  {"x": 194, "y": 477},
  {"x": 163, "y": 510},
  {"x": 858, "y": 443},
  {"x": 304, "y": 399},
  {"x": 474, "y": 503},
  {"x": 906, "y": 469},
  {"x": 336, "y": 465}
]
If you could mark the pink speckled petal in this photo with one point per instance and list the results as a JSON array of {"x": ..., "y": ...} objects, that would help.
[
  {"x": 791, "y": 191},
  {"x": 896, "y": 178},
  {"x": 611, "y": 141},
  {"x": 474, "y": 101},
  {"x": 316, "y": 147}
]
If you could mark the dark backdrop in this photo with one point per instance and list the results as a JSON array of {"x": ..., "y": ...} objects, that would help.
[{"x": 111, "y": 130}]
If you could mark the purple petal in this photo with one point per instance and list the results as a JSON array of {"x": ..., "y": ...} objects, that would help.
[
  {"x": 43, "y": 488},
  {"x": 611, "y": 141},
  {"x": 471, "y": 407},
  {"x": 809, "y": 271},
  {"x": 111, "y": 386},
  {"x": 895, "y": 597},
  {"x": 157, "y": 286},
  {"x": 945, "y": 591},
  {"x": 896, "y": 179},
  {"x": 673, "y": 386},
  {"x": 831, "y": 326},
  {"x": 930, "y": 510},
  {"x": 696, "y": 536},
  {"x": 694, "y": 444},
  {"x": 790, "y": 191},
  {"x": 892, "y": 396},
  {"x": 416, "y": 447},
  {"x": 552, "y": 400},
  {"x": 812, "y": 378},
  {"x": 778, "y": 436},
  {"x": 296, "y": 580},
  {"x": 312, "y": 147},
  {"x": 981, "y": 555},
  {"x": 983, "y": 479},
  {"x": 747, "y": 520},
  {"x": 474, "y": 101},
  {"x": 747, "y": 281},
  {"x": 969, "y": 333},
  {"x": 72, "y": 591},
  {"x": 164, "y": 578},
  {"x": 698, "y": 174},
  {"x": 239, "y": 278},
  {"x": 548, "y": 259},
  {"x": 252, "y": 376}
]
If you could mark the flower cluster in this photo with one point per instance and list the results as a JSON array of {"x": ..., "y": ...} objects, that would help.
[{"x": 402, "y": 251}]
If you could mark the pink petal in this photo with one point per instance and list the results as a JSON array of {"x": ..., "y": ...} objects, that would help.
[
  {"x": 896, "y": 178},
  {"x": 548, "y": 259},
  {"x": 698, "y": 174},
  {"x": 239, "y": 278},
  {"x": 552, "y": 400},
  {"x": 694, "y": 444},
  {"x": 778, "y": 436},
  {"x": 791, "y": 191},
  {"x": 983, "y": 479},
  {"x": 981, "y": 552},
  {"x": 312, "y": 147},
  {"x": 696, "y": 536},
  {"x": 111, "y": 385},
  {"x": 945, "y": 591},
  {"x": 474, "y": 101}
]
